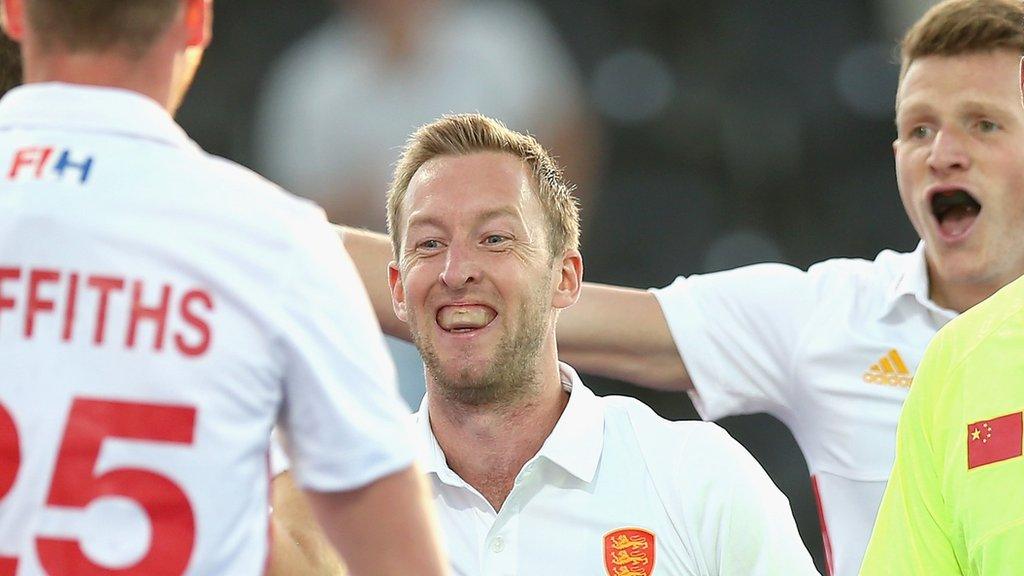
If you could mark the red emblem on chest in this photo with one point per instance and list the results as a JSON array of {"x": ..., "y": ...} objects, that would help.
[{"x": 629, "y": 552}]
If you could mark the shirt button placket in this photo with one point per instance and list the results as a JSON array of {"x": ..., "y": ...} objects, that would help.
[{"x": 498, "y": 545}]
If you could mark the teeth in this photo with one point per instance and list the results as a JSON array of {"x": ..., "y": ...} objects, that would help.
[{"x": 464, "y": 318}]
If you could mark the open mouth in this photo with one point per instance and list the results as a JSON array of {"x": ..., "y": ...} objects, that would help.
[
  {"x": 955, "y": 210},
  {"x": 465, "y": 318}
]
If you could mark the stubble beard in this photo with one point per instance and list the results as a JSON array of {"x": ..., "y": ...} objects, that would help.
[{"x": 513, "y": 372}]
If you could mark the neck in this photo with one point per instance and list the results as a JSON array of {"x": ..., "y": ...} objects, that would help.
[
  {"x": 961, "y": 296},
  {"x": 487, "y": 446},
  {"x": 151, "y": 75}
]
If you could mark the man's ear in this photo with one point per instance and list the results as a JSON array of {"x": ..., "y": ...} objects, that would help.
[
  {"x": 12, "y": 13},
  {"x": 199, "y": 22},
  {"x": 570, "y": 281},
  {"x": 397, "y": 291},
  {"x": 1022, "y": 80}
]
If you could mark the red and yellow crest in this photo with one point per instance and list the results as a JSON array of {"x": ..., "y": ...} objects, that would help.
[{"x": 629, "y": 552}]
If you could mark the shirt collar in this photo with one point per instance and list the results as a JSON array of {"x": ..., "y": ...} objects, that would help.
[
  {"x": 578, "y": 438},
  {"x": 431, "y": 456},
  {"x": 574, "y": 445},
  {"x": 75, "y": 107},
  {"x": 911, "y": 282}
]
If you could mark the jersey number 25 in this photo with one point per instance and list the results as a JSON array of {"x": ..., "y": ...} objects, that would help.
[{"x": 75, "y": 483}]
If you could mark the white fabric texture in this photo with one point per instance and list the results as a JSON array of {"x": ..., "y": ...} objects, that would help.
[
  {"x": 263, "y": 316},
  {"x": 610, "y": 464},
  {"x": 815, "y": 350}
]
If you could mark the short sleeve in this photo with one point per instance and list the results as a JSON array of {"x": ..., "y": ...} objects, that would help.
[
  {"x": 344, "y": 420},
  {"x": 745, "y": 525},
  {"x": 913, "y": 534},
  {"x": 737, "y": 332}
]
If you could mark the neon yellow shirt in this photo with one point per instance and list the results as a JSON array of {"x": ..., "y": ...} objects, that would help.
[{"x": 955, "y": 500}]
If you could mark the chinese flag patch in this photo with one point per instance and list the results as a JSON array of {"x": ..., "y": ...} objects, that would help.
[{"x": 994, "y": 440}]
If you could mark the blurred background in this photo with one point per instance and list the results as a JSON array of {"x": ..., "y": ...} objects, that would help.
[{"x": 702, "y": 135}]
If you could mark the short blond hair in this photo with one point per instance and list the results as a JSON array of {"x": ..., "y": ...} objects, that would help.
[
  {"x": 464, "y": 134},
  {"x": 958, "y": 27}
]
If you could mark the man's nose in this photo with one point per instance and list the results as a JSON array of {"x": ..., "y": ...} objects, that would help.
[
  {"x": 461, "y": 267},
  {"x": 949, "y": 151}
]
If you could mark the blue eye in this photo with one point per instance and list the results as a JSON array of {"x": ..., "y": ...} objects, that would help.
[
  {"x": 494, "y": 239},
  {"x": 429, "y": 244}
]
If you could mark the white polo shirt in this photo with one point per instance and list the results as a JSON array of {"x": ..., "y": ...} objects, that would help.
[
  {"x": 617, "y": 490},
  {"x": 830, "y": 352},
  {"x": 160, "y": 310}
]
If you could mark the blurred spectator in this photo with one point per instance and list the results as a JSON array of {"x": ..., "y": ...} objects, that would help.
[{"x": 338, "y": 106}]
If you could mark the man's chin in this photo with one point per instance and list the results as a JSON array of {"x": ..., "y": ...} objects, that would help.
[
  {"x": 955, "y": 263},
  {"x": 462, "y": 375},
  {"x": 476, "y": 384}
]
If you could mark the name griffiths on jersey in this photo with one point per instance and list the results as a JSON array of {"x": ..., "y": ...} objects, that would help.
[{"x": 40, "y": 300}]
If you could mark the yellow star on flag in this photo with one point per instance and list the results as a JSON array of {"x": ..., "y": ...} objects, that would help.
[{"x": 976, "y": 435}]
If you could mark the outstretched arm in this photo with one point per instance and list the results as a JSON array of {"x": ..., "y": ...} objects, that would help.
[{"x": 621, "y": 333}]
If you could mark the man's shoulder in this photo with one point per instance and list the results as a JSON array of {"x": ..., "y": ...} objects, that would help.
[
  {"x": 253, "y": 218},
  {"x": 249, "y": 191},
  {"x": 846, "y": 275},
  {"x": 681, "y": 438},
  {"x": 236, "y": 175},
  {"x": 684, "y": 454},
  {"x": 861, "y": 285},
  {"x": 882, "y": 270}
]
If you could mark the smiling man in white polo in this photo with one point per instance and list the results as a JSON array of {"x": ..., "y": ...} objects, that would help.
[{"x": 532, "y": 473}]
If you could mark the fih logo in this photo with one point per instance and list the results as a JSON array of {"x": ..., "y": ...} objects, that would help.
[{"x": 39, "y": 162}]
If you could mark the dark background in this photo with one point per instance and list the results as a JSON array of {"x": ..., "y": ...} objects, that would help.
[{"x": 770, "y": 140}]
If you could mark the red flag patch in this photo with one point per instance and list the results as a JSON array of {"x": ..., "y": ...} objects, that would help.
[{"x": 994, "y": 440}]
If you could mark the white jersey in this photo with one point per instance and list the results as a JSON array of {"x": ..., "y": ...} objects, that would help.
[
  {"x": 830, "y": 352},
  {"x": 160, "y": 309},
  {"x": 618, "y": 490}
]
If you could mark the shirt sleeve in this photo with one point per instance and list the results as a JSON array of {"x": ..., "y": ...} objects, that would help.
[
  {"x": 745, "y": 524},
  {"x": 345, "y": 424},
  {"x": 737, "y": 332},
  {"x": 913, "y": 534}
]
